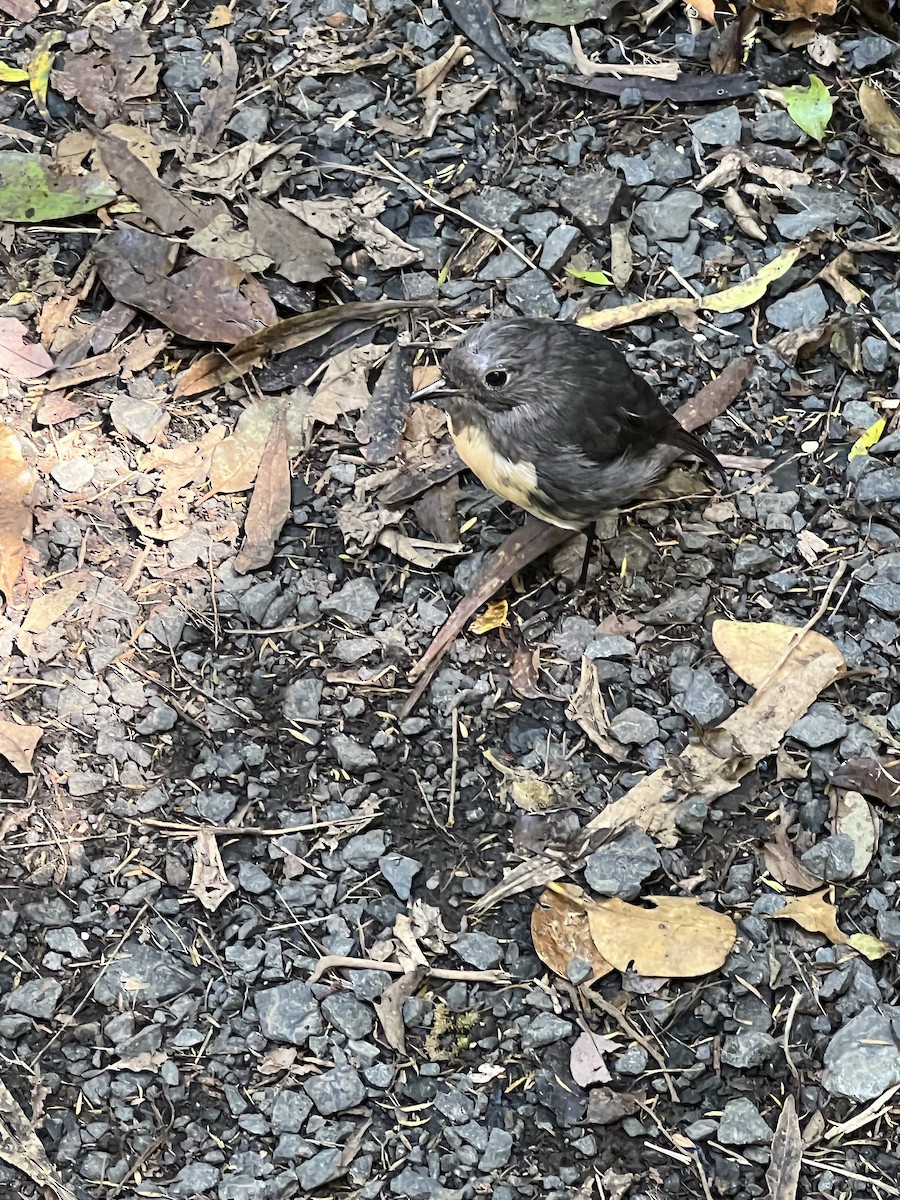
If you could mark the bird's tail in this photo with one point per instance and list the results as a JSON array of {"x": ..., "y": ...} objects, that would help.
[{"x": 689, "y": 443}]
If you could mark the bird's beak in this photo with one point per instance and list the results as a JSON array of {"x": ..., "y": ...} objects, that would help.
[{"x": 440, "y": 387}]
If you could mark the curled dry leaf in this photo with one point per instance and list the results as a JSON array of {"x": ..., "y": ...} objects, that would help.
[
  {"x": 418, "y": 551},
  {"x": 814, "y": 914},
  {"x": 21, "y": 1147},
  {"x": 875, "y": 777},
  {"x": 561, "y": 933},
  {"x": 882, "y": 121},
  {"x": 781, "y": 862},
  {"x": 676, "y": 938},
  {"x": 731, "y": 299},
  {"x": 209, "y": 883},
  {"x": 605, "y": 1106}
]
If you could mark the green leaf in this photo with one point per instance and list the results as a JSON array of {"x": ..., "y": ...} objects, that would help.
[
  {"x": 598, "y": 277},
  {"x": 34, "y": 188},
  {"x": 810, "y": 108},
  {"x": 10, "y": 74}
]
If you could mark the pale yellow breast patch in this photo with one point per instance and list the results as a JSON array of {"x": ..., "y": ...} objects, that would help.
[{"x": 515, "y": 481}]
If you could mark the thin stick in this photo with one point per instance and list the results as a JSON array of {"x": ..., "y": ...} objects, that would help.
[
  {"x": 331, "y": 961},
  {"x": 619, "y": 1017},
  {"x": 454, "y": 212},
  {"x": 813, "y": 620}
]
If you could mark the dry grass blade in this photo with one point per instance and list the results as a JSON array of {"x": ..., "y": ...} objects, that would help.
[{"x": 783, "y": 1174}]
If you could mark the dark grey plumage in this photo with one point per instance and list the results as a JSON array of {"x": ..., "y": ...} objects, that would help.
[{"x": 551, "y": 416}]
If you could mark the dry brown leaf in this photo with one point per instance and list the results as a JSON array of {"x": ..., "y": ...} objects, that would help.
[
  {"x": 47, "y": 609},
  {"x": 753, "y": 649},
  {"x": 835, "y": 275},
  {"x": 794, "y": 344},
  {"x": 714, "y": 397},
  {"x": 209, "y": 118},
  {"x": 389, "y": 1007},
  {"x": 114, "y": 79},
  {"x": 745, "y": 218},
  {"x": 270, "y": 503},
  {"x": 209, "y": 883},
  {"x": 18, "y": 743},
  {"x": 605, "y": 1106},
  {"x": 677, "y": 938},
  {"x": 235, "y": 461},
  {"x": 797, "y": 10},
  {"x": 16, "y": 484},
  {"x": 417, "y": 550},
  {"x": 344, "y": 386},
  {"x": 781, "y": 862},
  {"x": 783, "y": 1173},
  {"x": 342, "y": 219},
  {"x": 881, "y": 120},
  {"x": 561, "y": 933},
  {"x": 587, "y": 709},
  {"x": 814, "y": 914},
  {"x": 526, "y": 790},
  {"x": 21, "y": 1147},
  {"x": 876, "y": 777},
  {"x": 621, "y": 254}
]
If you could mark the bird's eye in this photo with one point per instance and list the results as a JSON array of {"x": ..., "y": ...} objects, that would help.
[{"x": 496, "y": 379}]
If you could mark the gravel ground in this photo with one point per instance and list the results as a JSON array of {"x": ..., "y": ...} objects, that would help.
[{"x": 225, "y": 801}]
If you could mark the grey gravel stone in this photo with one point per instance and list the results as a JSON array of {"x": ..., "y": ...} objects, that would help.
[
  {"x": 668, "y": 219},
  {"x": 633, "y": 167},
  {"x": 497, "y": 1152},
  {"x": 494, "y": 206},
  {"x": 349, "y": 1015},
  {"x": 553, "y": 45},
  {"x": 73, "y": 474},
  {"x": 742, "y": 1125},
  {"x": 620, "y": 867},
  {"x": 593, "y": 200},
  {"x": 544, "y": 1030},
  {"x": 335, "y": 1090},
  {"x": 479, "y": 950},
  {"x": 320, "y": 1169},
  {"x": 289, "y": 1112},
  {"x": 506, "y": 265},
  {"x": 830, "y": 859},
  {"x": 808, "y": 306},
  {"x": 721, "y": 128},
  {"x": 250, "y": 122},
  {"x": 816, "y": 208},
  {"x": 858, "y": 415},
  {"x": 352, "y": 755},
  {"x": 252, "y": 878},
  {"x": 668, "y": 164},
  {"x": 632, "y": 727},
  {"x": 142, "y": 976},
  {"x": 821, "y": 726},
  {"x": 751, "y": 559},
  {"x": 66, "y": 941},
  {"x": 138, "y": 419},
  {"x": 682, "y": 606},
  {"x": 748, "y": 1048},
  {"x": 704, "y": 700},
  {"x": 399, "y": 871},
  {"x": 364, "y": 849},
  {"x": 36, "y": 998},
  {"x": 610, "y": 646},
  {"x": 885, "y": 596},
  {"x": 558, "y": 246},
  {"x": 289, "y": 1013},
  {"x": 355, "y": 602},
  {"x": 302, "y": 698},
  {"x": 167, "y": 625},
  {"x": 533, "y": 295},
  {"x": 879, "y": 487},
  {"x": 194, "y": 1180},
  {"x": 862, "y": 1060},
  {"x": 699, "y": 1131}
]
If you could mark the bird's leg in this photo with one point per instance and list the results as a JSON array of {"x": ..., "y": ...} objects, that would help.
[{"x": 589, "y": 547}]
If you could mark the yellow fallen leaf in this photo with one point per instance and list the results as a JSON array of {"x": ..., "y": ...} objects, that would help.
[
  {"x": 678, "y": 938},
  {"x": 867, "y": 440},
  {"x": 492, "y": 618},
  {"x": 881, "y": 120},
  {"x": 10, "y": 74},
  {"x": 752, "y": 649},
  {"x": 814, "y": 914},
  {"x": 868, "y": 945},
  {"x": 740, "y": 295},
  {"x": 39, "y": 66}
]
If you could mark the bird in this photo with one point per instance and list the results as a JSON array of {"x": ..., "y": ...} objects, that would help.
[{"x": 549, "y": 415}]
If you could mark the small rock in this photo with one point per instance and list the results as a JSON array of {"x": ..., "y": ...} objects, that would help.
[
  {"x": 722, "y": 128},
  {"x": 349, "y": 1015},
  {"x": 821, "y": 726},
  {"x": 250, "y": 122},
  {"x": 704, "y": 700},
  {"x": 879, "y": 487},
  {"x": 167, "y": 625},
  {"x": 831, "y": 859},
  {"x": 632, "y": 727},
  {"x": 302, "y": 698},
  {"x": 479, "y": 950},
  {"x": 885, "y": 596},
  {"x": 683, "y": 606},
  {"x": 138, "y": 419},
  {"x": 73, "y": 474},
  {"x": 352, "y": 755},
  {"x": 494, "y": 206},
  {"x": 533, "y": 295},
  {"x": 633, "y": 167},
  {"x": 858, "y": 415},
  {"x": 37, "y": 998},
  {"x": 862, "y": 1060},
  {"x": 399, "y": 871},
  {"x": 872, "y": 50},
  {"x": 668, "y": 164},
  {"x": 507, "y": 265},
  {"x": 289, "y": 1013},
  {"x": 669, "y": 219},
  {"x": 318, "y": 1170},
  {"x": 751, "y": 559},
  {"x": 355, "y": 602},
  {"x": 335, "y": 1091},
  {"x": 815, "y": 208},
  {"x": 363, "y": 850},
  {"x": 742, "y": 1125},
  {"x": 874, "y": 355},
  {"x": 558, "y": 246},
  {"x": 620, "y": 867},
  {"x": 593, "y": 200},
  {"x": 610, "y": 646},
  {"x": 544, "y": 1030},
  {"x": 497, "y": 1152},
  {"x": 808, "y": 306},
  {"x": 552, "y": 44}
]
